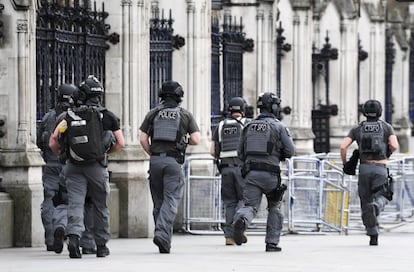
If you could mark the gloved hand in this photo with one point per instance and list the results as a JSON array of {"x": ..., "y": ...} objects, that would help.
[{"x": 350, "y": 166}]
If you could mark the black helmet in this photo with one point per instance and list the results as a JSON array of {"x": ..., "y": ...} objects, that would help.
[
  {"x": 171, "y": 89},
  {"x": 372, "y": 108},
  {"x": 237, "y": 104},
  {"x": 65, "y": 92},
  {"x": 269, "y": 102},
  {"x": 91, "y": 87}
]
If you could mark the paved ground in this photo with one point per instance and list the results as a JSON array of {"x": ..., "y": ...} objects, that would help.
[{"x": 196, "y": 253}]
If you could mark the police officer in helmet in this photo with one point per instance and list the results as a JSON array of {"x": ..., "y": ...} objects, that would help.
[
  {"x": 52, "y": 169},
  {"x": 164, "y": 135},
  {"x": 376, "y": 141},
  {"x": 265, "y": 142},
  {"x": 224, "y": 149},
  {"x": 85, "y": 169}
]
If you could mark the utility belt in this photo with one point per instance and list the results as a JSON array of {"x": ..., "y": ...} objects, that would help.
[
  {"x": 103, "y": 162},
  {"x": 260, "y": 167},
  {"x": 165, "y": 154},
  {"x": 263, "y": 167},
  {"x": 221, "y": 166},
  {"x": 224, "y": 165},
  {"x": 179, "y": 157}
]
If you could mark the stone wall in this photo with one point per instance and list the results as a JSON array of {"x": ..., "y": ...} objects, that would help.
[{"x": 6, "y": 219}]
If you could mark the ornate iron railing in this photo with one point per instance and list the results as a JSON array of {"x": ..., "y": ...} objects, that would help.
[
  {"x": 215, "y": 67},
  {"x": 162, "y": 45},
  {"x": 161, "y": 49},
  {"x": 389, "y": 61},
  {"x": 411, "y": 78},
  {"x": 71, "y": 40},
  {"x": 233, "y": 49}
]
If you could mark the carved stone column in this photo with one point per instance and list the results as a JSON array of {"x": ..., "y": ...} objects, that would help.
[
  {"x": 198, "y": 68},
  {"x": 128, "y": 96},
  {"x": 20, "y": 160},
  {"x": 348, "y": 58},
  {"x": 301, "y": 96}
]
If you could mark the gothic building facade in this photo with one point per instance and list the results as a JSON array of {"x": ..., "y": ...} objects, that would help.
[{"x": 323, "y": 58}]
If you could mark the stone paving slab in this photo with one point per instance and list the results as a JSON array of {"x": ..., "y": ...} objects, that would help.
[{"x": 197, "y": 253}]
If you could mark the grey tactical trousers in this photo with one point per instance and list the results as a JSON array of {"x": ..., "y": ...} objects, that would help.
[
  {"x": 166, "y": 185},
  {"x": 371, "y": 176},
  {"x": 257, "y": 184},
  {"x": 92, "y": 180}
]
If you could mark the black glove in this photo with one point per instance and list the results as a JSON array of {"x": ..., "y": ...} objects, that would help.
[{"x": 350, "y": 166}]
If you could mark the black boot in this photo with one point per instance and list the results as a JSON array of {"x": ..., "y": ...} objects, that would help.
[
  {"x": 102, "y": 251},
  {"x": 162, "y": 245},
  {"x": 59, "y": 237},
  {"x": 239, "y": 228},
  {"x": 272, "y": 248},
  {"x": 87, "y": 250},
  {"x": 73, "y": 247},
  {"x": 373, "y": 241}
]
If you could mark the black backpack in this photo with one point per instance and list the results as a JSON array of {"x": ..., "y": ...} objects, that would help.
[{"x": 85, "y": 135}]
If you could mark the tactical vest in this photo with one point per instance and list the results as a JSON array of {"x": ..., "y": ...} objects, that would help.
[
  {"x": 85, "y": 135},
  {"x": 166, "y": 125},
  {"x": 371, "y": 142},
  {"x": 229, "y": 132},
  {"x": 259, "y": 138}
]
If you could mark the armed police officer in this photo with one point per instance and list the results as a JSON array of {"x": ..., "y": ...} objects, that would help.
[
  {"x": 164, "y": 135},
  {"x": 86, "y": 167},
  {"x": 224, "y": 149},
  {"x": 265, "y": 142},
  {"x": 54, "y": 207},
  {"x": 376, "y": 141},
  {"x": 53, "y": 218}
]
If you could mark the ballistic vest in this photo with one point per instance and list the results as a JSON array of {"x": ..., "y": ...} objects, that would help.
[
  {"x": 166, "y": 125},
  {"x": 372, "y": 144},
  {"x": 229, "y": 132},
  {"x": 259, "y": 138},
  {"x": 85, "y": 135}
]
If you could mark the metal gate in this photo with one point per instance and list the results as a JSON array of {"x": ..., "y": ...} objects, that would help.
[
  {"x": 162, "y": 44},
  {"x": 216, "y": 114},
  {"x": 233, "y": 44},
  {"x": 71, "y": 41},
  {"x": 389, "y": 61}
]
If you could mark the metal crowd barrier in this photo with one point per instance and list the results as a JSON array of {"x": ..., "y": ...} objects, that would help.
[
  {"x": 398, "y": 210},
  {"x": 402, "y": 205},
  {"x": 203, "y": 212},
  {"x": 320, "y": 198},
  {"x": 304, "y": 202}
]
